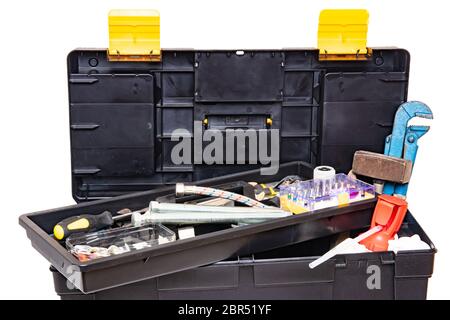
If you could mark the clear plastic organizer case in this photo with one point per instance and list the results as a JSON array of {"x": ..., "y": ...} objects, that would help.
[
  {"x": 111, "y": 242},
  {"x": 304, "y": 196}
]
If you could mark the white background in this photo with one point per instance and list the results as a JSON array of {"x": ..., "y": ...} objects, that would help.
[{"x": 36, "y": 36}]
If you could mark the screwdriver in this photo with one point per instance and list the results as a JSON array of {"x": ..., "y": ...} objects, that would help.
[{"x": 88, "y": 223}]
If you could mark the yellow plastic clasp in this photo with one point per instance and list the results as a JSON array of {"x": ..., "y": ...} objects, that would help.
[
  {"x": 342, "y": 35},
  {"x": 134, "y": 35}
]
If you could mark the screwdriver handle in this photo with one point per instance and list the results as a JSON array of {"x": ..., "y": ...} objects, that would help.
[{"x": 82, "y": 223}]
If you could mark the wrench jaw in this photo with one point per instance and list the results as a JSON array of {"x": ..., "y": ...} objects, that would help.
[
  {"x": 424, "y": 115},
  {"x": 416, "y": 132},
  {"x": 413, "y": 109},
  {"x": 395, "y": 142}
]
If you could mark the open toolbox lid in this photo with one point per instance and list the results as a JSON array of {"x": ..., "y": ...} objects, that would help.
[{"x": 326, "y": 103}]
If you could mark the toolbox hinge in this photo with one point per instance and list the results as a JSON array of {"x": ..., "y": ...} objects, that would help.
[
  {"x": 342, "y": 35},
  {"x": 134, "y": 35}
]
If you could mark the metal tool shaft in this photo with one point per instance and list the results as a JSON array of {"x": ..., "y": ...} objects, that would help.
[{"x": 173, "y": 213}]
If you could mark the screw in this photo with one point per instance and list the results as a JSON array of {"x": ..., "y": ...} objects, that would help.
[
  {"x": 93, "y": 62},
  {"x": 379, "y": 61}
]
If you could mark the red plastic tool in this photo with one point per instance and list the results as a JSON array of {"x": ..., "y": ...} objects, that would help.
[{"x": 389, "y": 214}]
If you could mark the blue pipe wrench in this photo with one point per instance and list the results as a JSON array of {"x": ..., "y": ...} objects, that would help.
[{"x": 402, "y": 143}]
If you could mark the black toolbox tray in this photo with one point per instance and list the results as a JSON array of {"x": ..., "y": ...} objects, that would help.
[
  {"x": 122, "y": 114},
  {"x": 285, "y": 274},
  {"x": 189, "y": 253}
]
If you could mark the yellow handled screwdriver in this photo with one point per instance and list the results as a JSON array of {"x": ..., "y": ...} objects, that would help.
[{"x": 87, "y": 223}]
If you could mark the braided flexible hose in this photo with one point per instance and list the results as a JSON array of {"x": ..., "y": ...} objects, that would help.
[{"x": 181, "y": 189}]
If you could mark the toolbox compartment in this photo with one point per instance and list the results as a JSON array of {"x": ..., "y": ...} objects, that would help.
[
  {"x": 285, "y": 274},
  {"x": 186, "y": 254},
  {"x": 110, "y": 274}
]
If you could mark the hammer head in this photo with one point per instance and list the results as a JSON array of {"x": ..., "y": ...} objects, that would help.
[{"x": 382, "y": 167}]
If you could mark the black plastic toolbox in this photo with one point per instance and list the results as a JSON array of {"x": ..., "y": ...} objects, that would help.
[
  {"x": 121, "y": 118},
  {"x": 285, "y": 274}
]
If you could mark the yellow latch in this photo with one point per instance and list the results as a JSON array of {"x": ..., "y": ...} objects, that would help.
[
  {"x": 343, "y": 35},
  {"x": 134, "y": 35}
]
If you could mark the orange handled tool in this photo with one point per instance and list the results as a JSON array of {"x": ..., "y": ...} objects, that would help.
[{"x": 389, "y": 214}]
